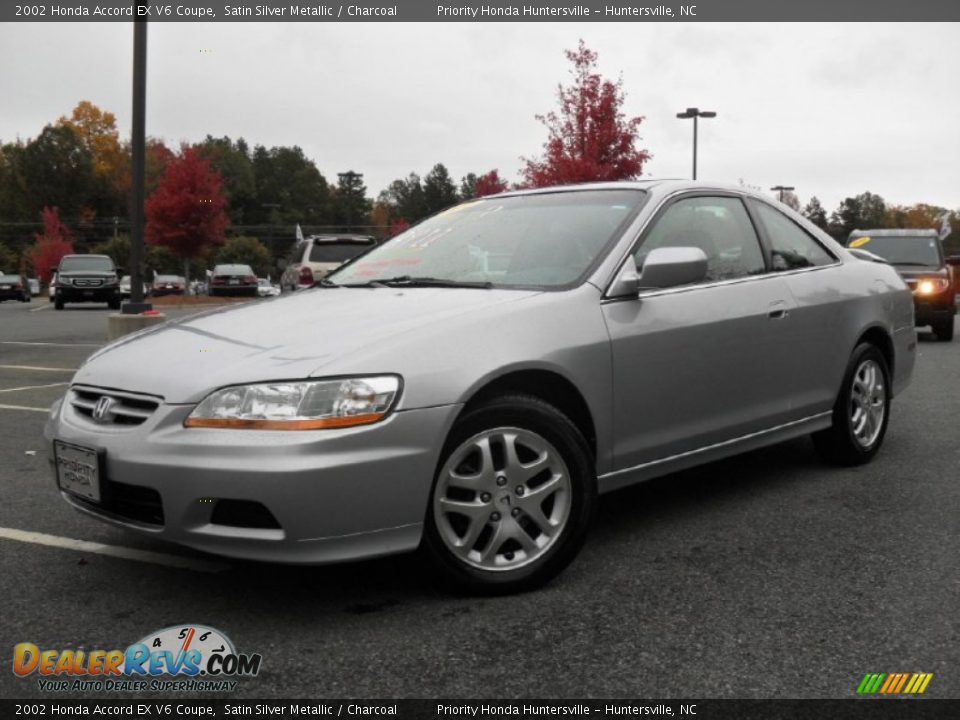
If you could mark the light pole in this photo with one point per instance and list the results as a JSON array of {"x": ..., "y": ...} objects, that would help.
[
  {"x": 695, "y": 113},
  {"x": 136, "y": 303},
  {"x": 781, "y": 189}
]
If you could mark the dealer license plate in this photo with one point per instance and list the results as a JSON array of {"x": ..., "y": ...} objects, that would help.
[{"x": 78, "y": 470}]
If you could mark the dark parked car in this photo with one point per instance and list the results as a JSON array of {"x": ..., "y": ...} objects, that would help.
[
  {"x": 87, "y": 278},
  {"x": 14, "y": 287},
  {"x": 918, "y": 256},
  {"x": 168, "y": 285},
  {"x": 233, "y": 280}
]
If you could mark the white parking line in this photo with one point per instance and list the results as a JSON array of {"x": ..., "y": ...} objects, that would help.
[
  {"x": 23, "y": 407},
  {"x": 32, "y": 387},
  {"x": 38, "y": 309},
  {"x": 116, "y": 551},
  {"x": 35, "y": 367},
  {"x": 50, "y": 344}
]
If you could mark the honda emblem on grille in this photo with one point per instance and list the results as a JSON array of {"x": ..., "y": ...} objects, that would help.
[{"x": 102, "y": 409}]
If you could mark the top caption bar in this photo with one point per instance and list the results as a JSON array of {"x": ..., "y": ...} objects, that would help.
[{"x": 851, "y": 11}]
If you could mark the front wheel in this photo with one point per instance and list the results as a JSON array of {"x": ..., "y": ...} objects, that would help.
[
  {"x": 513, "y": 497},
  {"x": 861, "y": 412},
  {"x": 58, "y": 303}
]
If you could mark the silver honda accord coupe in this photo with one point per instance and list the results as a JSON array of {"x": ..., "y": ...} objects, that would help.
[{"x": 470, "y": 386}]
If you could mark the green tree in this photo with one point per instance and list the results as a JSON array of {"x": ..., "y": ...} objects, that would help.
[
  {"x": 158, "y": 260},
  {"x": 861, "y": 212},
  {"x": 406, "y": 199},
  {"x": 439, "y": 192},
  {"x": 246, "y": 251},
  {"x": 815, "y": 213},
  {"x": 118, "y": 249},
  {"x": 9, "y": 262},
  {"x": 58, "y": 172},
  {"x": 232, "y": 161},
  {"x": 468, "y": 186},
  {"x": 290, "y": 189},
  {"x": 352, "y": 208}
]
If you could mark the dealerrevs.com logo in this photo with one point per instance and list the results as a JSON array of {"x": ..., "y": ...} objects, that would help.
[{"x": 201, "y": 658}]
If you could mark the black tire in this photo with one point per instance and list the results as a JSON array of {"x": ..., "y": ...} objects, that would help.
[
  {"x": 114, "y": 304},
  {"x": 58, "y": 303},
  {"x": 944, "y": 330},
  {"x": 839, "y": 444},
  {"x": 546, "y": 422}
]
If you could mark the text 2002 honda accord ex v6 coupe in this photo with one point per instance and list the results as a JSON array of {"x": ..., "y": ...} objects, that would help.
[{"x": 471, "y": 385}]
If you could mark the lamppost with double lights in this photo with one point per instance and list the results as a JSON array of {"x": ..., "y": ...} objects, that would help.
[{"x": 696, "y": 114}]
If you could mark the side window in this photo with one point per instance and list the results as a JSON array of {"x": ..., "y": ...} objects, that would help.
[
  {"x": 790, "y": 245},
  {"x": 719, "y": 226}
]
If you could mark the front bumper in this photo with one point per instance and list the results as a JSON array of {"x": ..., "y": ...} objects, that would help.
[
  {"x": 934, "y": 309},
  {"x": 75, "y": 295},
  {"x": 335, "y": 494}
]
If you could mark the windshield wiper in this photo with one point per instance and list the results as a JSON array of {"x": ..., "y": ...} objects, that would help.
[
  {"x": 323, "y": 282},
  {"x": 912, "y": 264},
  {"x": 412, "y": 281}
]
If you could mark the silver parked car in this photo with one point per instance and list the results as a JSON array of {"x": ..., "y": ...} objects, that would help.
[
  {"x": 317, "y": 256},
  {"x": 470, "y": 386}
]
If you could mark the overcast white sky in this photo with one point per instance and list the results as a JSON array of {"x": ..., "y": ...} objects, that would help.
[{"x": 831, "y": 109}]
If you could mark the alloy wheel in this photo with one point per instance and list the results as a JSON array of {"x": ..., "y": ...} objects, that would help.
[
  {"x": 868, "y": 403},
  {"x": 502, "y": 499}
]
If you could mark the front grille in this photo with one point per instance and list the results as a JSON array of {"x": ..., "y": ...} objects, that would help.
[
  {"x": 111, "y": 407},
  {"x": 131, "y": 502},
  {"x": 87, "y": 282}
]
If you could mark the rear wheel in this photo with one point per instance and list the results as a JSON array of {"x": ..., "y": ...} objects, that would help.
[
  {"x": 944, "y": 329},
  {"x": 513, "y": 498},
  {"x": 861, "y": 412}
]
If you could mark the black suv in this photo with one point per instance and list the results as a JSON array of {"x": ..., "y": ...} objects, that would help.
[
  {"x": 87, "y": 278},
  {"x": 918, "y": 257}
]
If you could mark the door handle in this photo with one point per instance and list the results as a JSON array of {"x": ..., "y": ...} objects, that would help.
[{"x": 778, "y": 311}]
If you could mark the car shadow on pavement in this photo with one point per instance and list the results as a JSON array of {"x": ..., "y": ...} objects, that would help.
[{"x": 380, "y": 585}]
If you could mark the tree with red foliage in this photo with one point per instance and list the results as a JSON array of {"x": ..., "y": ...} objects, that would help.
[
  {"x": 51, "y": 245},
  {"x": 589, "y": 137},
  {"x": 187, "y": 212},
  {"x": 489, "y": 184},
  {"x": 398, "y": 226}
]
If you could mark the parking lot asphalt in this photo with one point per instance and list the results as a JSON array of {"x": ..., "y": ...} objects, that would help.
[{"x": 766, "y": 575}]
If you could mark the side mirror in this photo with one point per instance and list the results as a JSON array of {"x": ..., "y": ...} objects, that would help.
[
  {"x": 673, "y": 266},
  {"x": 282, "y": 263},
  {"x": 953, "y": 260},
  {"x": 627, "y": 283}
]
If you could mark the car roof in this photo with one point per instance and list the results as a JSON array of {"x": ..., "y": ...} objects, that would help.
[
  {"x": 329, "y": 238},
  {"x": 895, "y": 232},
  {"x": 87, "y": 255},
  {"x": 231, "y": 265},
  {"x": 662, "y": 186}
]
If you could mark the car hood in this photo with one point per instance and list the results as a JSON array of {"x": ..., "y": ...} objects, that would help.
[
  {"x": 86, "y": 274},
  {"x": 296, "y": 336},
  {"x": 915, "y": 271}
]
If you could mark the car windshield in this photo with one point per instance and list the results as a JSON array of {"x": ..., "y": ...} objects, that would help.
[
  {"x": 80, "y": 263},
  {"x": 901, "y": 249},
  {"x": 232, "y": 270},
  {"x": 337, "y": 250},
  {"x": 543, "y": 240},
  {"x": 9, "y": 278},
  {"x": 167, "y": 279}
]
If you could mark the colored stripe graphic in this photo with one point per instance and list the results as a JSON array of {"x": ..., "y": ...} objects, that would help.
[{"x": 894, "y": 683}]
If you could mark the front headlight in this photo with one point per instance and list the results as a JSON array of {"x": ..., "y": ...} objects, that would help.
[
  {"x": 306, "y": 405},
  {"x": 932, "y": 286}
]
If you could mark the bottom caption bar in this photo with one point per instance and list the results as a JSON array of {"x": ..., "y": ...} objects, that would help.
[{"x": 851, "y": 709}]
